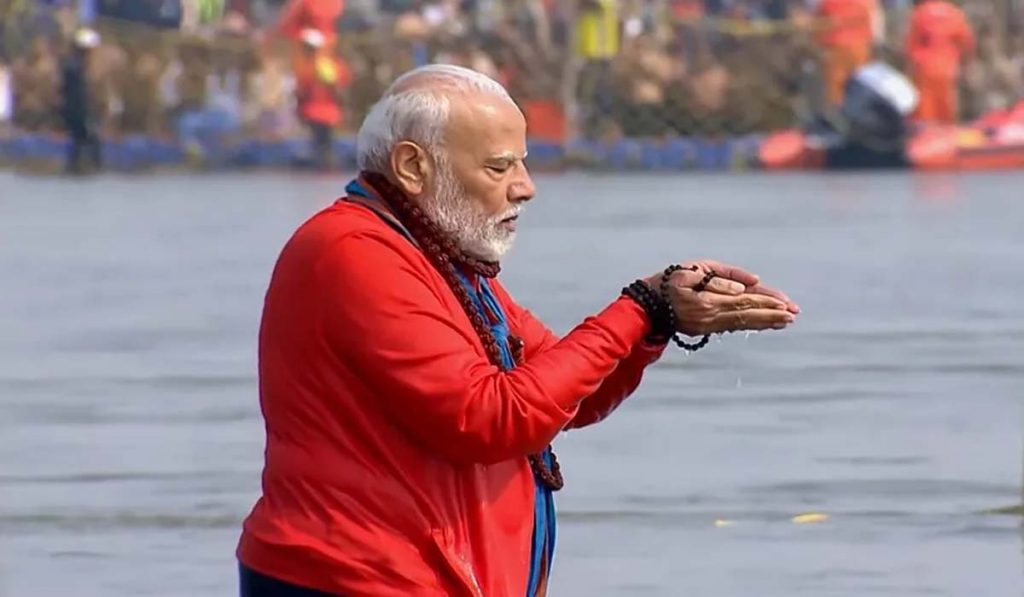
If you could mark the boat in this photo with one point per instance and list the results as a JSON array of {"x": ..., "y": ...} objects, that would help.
[
  {"x": 932, "y": 148},
  {"x": 872, "y": 131},
  {"x": 994, "y": 142}
]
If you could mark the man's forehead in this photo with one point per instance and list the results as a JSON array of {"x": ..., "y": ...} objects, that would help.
[
  {"x": 488, "y": 124},
  {"x": 475, "y": 103}
]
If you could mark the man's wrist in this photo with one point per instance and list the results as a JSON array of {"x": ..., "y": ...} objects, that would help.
[{"x": 656, "y": 310}]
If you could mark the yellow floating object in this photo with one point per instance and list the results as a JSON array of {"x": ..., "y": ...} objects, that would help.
[
  {"x": 1011, "y": 511},
  {"x": 326, "y": 70},
  {"x": 810, "y": 518},
  {"x": 970, "y": 138},
  {"x": 721, "y": 523}
]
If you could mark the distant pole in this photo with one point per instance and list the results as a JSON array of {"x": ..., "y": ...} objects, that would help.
[
  {"x": 570, "y": 76},
  {"x": 1010, "y": 15}
]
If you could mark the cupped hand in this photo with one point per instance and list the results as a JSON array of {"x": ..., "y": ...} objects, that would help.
[
  {"x": 738, "y": 274},
  {"x": 733, "y": 300}
]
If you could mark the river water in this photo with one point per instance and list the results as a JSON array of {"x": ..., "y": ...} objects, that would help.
[{"x": 131, "y": 442}]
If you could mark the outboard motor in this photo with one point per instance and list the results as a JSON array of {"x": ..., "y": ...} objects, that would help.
[
  {"x": 874, "y": 115},
  {"x": 876, "y": 105}
]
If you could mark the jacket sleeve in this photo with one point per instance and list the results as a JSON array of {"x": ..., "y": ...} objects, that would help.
[
  {"x": 384, "y": 317},
  {"x": 289, "y": 23},
  {"x": 965, "y": 36},
  {"x": 914, "y": 38},
  {"x": 615, "y": 388}
]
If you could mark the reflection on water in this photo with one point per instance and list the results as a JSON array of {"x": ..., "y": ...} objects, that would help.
[{"x": 130, "y": 437}]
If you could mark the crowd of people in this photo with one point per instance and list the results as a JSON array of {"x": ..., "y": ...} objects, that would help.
[{"x": 589, "y": 68}]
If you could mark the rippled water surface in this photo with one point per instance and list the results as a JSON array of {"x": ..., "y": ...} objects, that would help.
[{"x": 131, "y": 443}]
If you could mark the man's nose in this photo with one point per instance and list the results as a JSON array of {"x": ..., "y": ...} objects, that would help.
[{"x": 522, "y": 188}]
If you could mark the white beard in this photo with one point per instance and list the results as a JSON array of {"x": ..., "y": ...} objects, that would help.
[{"x": 458, "y": 215}]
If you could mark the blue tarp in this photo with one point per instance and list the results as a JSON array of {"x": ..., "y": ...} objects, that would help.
[{"x": 165, "y": 14}]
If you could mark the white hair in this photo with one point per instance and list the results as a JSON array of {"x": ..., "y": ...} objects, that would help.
[{"x": 417, "y": 111}]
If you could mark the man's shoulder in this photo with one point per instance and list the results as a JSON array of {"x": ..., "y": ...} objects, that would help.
[
  {"x": 343, "y": 220},
  {"x": 344, "y": 226}
]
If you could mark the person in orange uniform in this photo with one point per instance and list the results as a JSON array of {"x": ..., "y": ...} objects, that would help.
[
  {"x": 321, "y": 15},
  {"x": 846, "y": 39},
  {"x": 939, "y": 39},
  {"x": 409, "y": 401},
  {"x": 300, "y": 16},
  {"x": 319, "y": 80}
]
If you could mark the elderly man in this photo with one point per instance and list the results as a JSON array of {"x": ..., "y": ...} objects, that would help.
[{"x": 410, "y": 403}]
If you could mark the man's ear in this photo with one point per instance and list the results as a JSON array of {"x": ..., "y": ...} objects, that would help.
[{"x": 412, "y": 167}]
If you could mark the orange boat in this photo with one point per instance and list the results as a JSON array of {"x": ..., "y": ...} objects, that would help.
[
  {"x": 872, "y": 132},
  {"x": 932, "y": 148},
  {"x": 979, "y": 146}
]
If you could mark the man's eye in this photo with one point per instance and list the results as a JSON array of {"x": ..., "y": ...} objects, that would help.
[{"x": 498, "y": 169}]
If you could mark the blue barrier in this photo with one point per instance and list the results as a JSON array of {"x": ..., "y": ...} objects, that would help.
[
  {"x": 249, "y": 154},
  {"x": 587, "y": 151},
  {"x": 166, "y": 152},
  {"x": 117, "y": 157},
  {"x": 545, "y": 154},
  {"x": 139, "y": 152},
  {"x": 747, "y": 149},
  {"x": 345, "y": 153},
  {"x": 625, "y": 154},
  {"x": 31, "y": 147},
  {"x": 679, "y": 154},
  {"x": 714, "y": 154},
  {"x": 217, "y": 151}
]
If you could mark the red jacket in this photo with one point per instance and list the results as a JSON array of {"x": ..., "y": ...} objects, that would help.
[
  {"x": 321, "y": 15},
  {"x": 939, "y": 37},
  {"x": 318, "y": 100},
  {"x": 848, "y": 23},
  {"x": 396, "y": 452}
]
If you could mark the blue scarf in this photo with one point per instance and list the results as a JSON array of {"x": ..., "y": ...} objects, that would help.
[
  {"x": 542, "y": 551},
  {"x": 544, "y": 504}
]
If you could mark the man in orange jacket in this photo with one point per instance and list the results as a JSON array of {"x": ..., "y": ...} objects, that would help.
[
  {"x": 845, "y": 37},
  {"x": 410, "y": 403},
  {"x": 939, "y": 39}
]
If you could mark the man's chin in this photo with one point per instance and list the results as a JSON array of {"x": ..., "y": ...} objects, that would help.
[{"x": 492, "y": 251}]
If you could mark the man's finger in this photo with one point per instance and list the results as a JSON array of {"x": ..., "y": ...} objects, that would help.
[
  {"x": 689, "y": 279},
  {"x": 752, "y": 320},
  {"x": 746, "y": 302},
  {"x": 765, "y": 290},
  {"x": 725, "y": 286},
  {"x": 686, "y": 278},
  {"x": 731, "y": 272}
]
